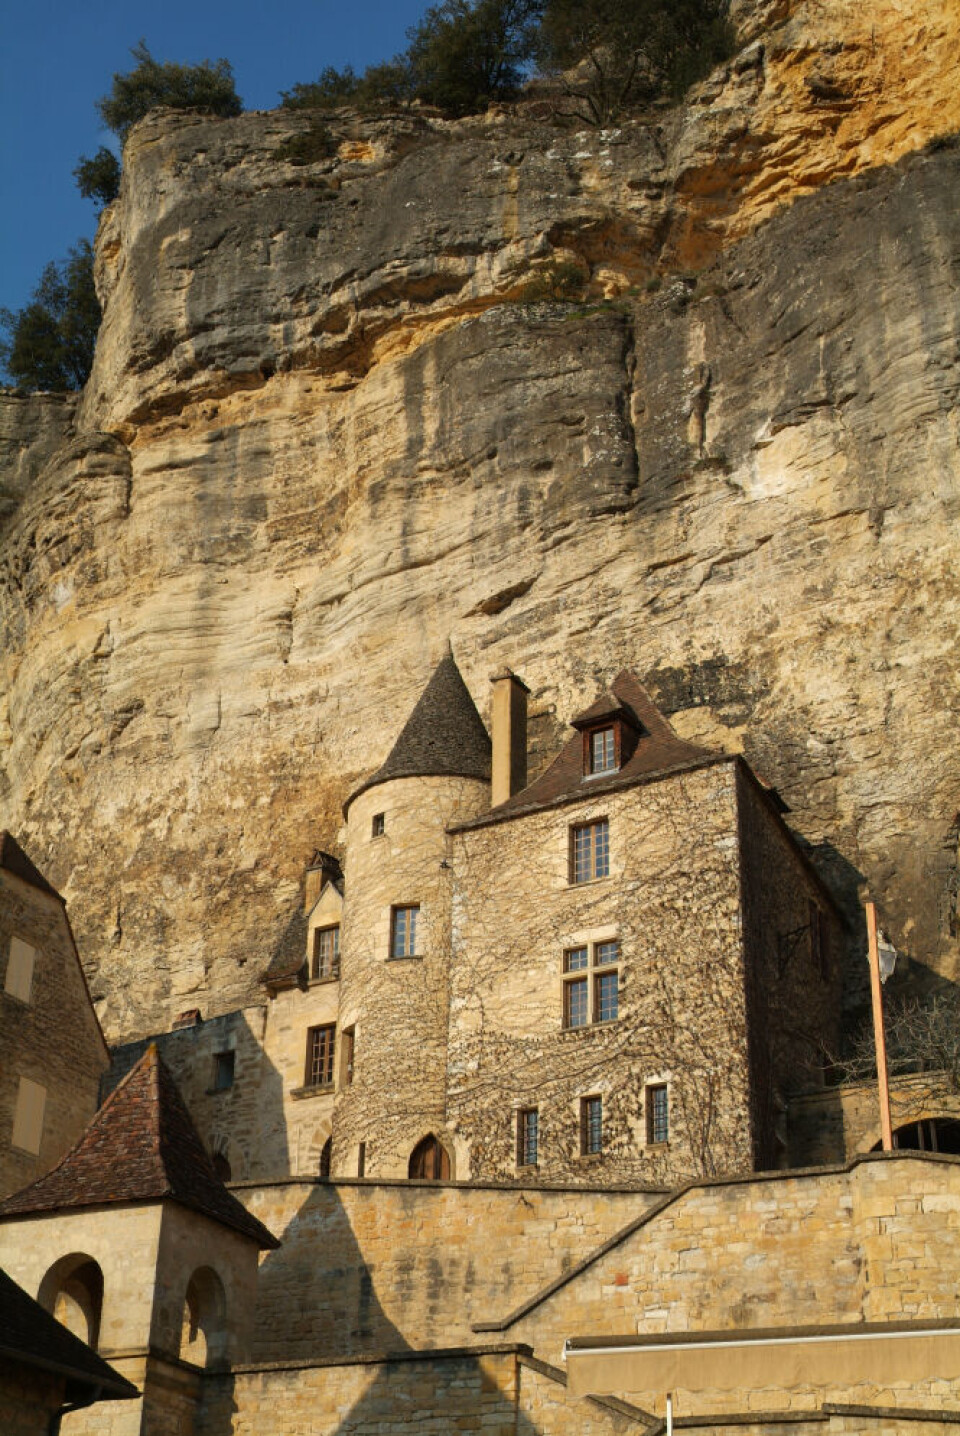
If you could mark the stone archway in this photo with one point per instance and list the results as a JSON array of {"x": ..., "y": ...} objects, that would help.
[
  {"x": 203, "y": 1338},
  {"x": 429, "y": 1161},
  {"x": 72, "y": 1291},
  {"x": 926, "y": 1134}
]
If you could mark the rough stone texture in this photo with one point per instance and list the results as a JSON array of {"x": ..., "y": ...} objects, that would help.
[
  {"x": 321, "y": 436},
  {"x": 379, "y": 1266},
  {"x": 52, "y": 1040},
  {"x": 839, "y": 1122}
]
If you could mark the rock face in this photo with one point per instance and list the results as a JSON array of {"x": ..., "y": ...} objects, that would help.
[{"x": 325, "y": 431}]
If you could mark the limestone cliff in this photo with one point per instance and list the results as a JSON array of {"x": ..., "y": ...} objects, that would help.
[{"x": 324, "y": 432}]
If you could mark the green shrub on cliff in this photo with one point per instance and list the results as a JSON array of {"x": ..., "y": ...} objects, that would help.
[
  {"x": 387, "y": 83},
  {"x": 49, "y": 343},
  {"x": 99, "y": 178},
  {"x": 609, "y": 56},
  {"x": 208, "y": 86},
  {"x": 465, "y": 53}
]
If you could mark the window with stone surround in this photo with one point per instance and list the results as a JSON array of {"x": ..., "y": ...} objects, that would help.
[
  {"x": 28, "y": 1116},
  {"x": 528, "y": 1137},
  {"x": 403, "y": 931},
  {"x": 224, "y": 1068},
  {"x": 602, "y": 751},
  {"x": 590, "y": 851},
  {"x": 657, "y": 1104},
  {"x": 379, "y": 825},
  {"x": 320, "y": 1047},
  {"x": 347, "y": 1046},
  {"x": 326, "y": 952},
  {"x": 591, "y": 983},
  {"x": 21, "y": 958},
  {"x": 591, "y": 1126}
]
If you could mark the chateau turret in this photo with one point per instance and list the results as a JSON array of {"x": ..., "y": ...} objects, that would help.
[{"x": 389, "y": 1116}]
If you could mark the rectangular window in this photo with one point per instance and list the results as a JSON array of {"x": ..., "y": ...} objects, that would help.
[
  {"x": 347, "y": 1044},
  {"x": 20, "y": 963},
  {"x": 403, "y": 933},
  {"x": 602, "y": 751},
  {"x": 590, "y": 851},
  {"x": 379, "y": 825},
  {"x": 223, "y": 1070},
  {"x": 326, "y": 952},
  {"x": 591, "y": 1126},
  {"x": 575, "y": 1003},
  {"x": 606, "y": 952},
  {"x": 528, "y": 1137},
  {"x": 575, "y": 959},
  {"x": 362, "y": 1160},
  {"x": 658, "y": 1113},
  {"x": 320, "y": 1045},
  {"x": 28, "y": 1116},
  {"x": 606, "y": 987},
  {"x": 819, "y": 941}
]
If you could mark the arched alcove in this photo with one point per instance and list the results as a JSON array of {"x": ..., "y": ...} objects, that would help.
[
  {"x": 323, "y": 1166},
  {"x": 203, "y": 1338},
  {"x": 429, "y": 1161},
  {"x": 926, "y": 1134},
  {"x": 72, "y": 1291}
]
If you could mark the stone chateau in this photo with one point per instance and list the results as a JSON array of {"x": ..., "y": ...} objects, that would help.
[{"x": 512, "y": 1142}]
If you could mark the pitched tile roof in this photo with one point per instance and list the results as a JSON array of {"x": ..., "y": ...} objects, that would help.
[
  {"x": 15, "y": 860},
  {"x": 140, "y": 1147},
  {"x": 659, "y": 753},
  {"x": 31, "y": 1337},
  {"x": 444, "y": 735},
  {"x": 290, "y": 953}
]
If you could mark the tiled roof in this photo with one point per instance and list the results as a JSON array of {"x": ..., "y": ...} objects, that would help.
[
  {"x": 31, "y": 1337},
  {"x": 659, "y": 753},
  {"x": 15, "y": 860},
  {"x": 444, "y": 735},
  {"x": 140, "y": 1147}
]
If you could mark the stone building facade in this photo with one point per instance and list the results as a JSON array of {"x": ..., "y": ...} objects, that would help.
[{"x": 52, "y": 1052}]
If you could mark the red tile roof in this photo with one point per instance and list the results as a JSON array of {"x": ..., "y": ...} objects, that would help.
[
  {"x": 658, "y": 754},
  {"x": 15, "y": 860},
  {"x": 140, "y": 1147}
]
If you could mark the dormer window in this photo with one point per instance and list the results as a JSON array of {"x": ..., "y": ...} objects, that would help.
[{"x": 602, "y": 752}]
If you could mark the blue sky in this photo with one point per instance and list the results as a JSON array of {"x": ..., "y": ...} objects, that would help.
[{"x": 57, "y": 57}]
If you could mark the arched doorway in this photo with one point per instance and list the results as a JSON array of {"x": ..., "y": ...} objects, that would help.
[
  {"x": 429, "y": 1161},
  {"x": 203, "y": 1338},
  {"x": 927, "y": 1134},
  {"x": 72, "y": 1291}
]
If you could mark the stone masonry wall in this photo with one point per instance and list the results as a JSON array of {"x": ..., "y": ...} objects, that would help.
[
  {"x": 53, "y": 1040},
  {"x": 398, "y": 1006},
  {"x": 28, "y": 1399},
  {"x": 793, "y": 997},
  {"x": 376, "y": 1266},
  {"x": 877, "y": 1242},
  {"x": 672, "y": 900},
  {"x": 839, "y": 1122}
]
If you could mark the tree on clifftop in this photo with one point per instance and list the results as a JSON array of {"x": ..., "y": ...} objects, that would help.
[
  {"x": 49, "y": 343},
  {"x": 611, "y": 55},
  {"x": 465, "y": 53},
  {"x": 208, "y": 86}
]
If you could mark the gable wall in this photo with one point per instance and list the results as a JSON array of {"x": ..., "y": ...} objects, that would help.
[{"x": 53, "y": 1040}]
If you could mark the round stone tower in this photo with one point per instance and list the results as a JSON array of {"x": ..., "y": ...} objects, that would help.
[{"x": 389, "y": 1118}]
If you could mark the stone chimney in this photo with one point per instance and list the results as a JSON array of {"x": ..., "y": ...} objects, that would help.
[
  {"x": 509, "y": 723},
  {"x": 322, "y": 868}
]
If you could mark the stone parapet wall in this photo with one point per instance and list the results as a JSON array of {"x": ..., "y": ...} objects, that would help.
[{"x": 374, "y": 1266}]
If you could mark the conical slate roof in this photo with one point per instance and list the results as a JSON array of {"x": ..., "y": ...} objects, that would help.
[
  {"x": 140, "y": 1147},
  {"x": 443, "y": 737}
]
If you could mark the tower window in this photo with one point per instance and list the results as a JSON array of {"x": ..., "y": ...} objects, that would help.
[
  {"x": 403, "y": 932},
  {"x": 347, "y": 1046},
  {"x": 320, "y": 1045},
  {"x": 224, "y": 1064},
  {"x": 591, "y": 1126},
  {"x": 18, "y": 981},
  {"x": 326, "y": 952},
  {"x": 379, "y": 825},
  {"x": 528, "y": 1137},
  {"x": 590, "y": 851},
  {"x": 658, "y": 1113}
]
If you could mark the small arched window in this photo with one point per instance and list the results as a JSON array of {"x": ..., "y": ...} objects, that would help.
[
  {"x": 203, "y": 1339},
  {"x": 929, "y": 1134},
  {"x": 324, "y": 1168},
  {"x": 72, "y": 1291},
  {"x": 429, "y": 1161}
]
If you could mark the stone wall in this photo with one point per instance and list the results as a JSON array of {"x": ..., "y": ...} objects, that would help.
[
  {"x": 28, "y": 1399},
  {"x": 795, "y": 960},
  {"x": 672, "y": 901},
  {"x": 839, "y": 1122},
  {"x": 52, "y": 1040},
  {"x": 375, "y": 1266},
  {"x": 876, "y": 1242}
]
